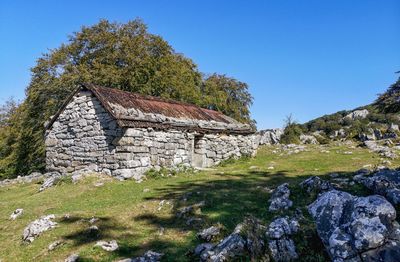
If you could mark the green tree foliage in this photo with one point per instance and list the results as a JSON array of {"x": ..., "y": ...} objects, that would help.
[
  {"x": 227, "y": 95},
  {"x": 389, "y": 102},
  {"x": 292, "y": 131},
  {"x": 123, "y": 56},
  {"x": 9, "y": 114}
]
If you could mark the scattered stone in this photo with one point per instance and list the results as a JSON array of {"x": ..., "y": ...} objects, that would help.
[
  {"x": 93, "y": 220},
  {"x": 393, "y": 128},
  {"x": 161, "y": 231},
  {"x": 293, "y": 148},
  {"x": 146, "y": 190},
  {"x": 185, "y": 211},
  {"x": 308, "y": 139},
  {"x": 280, "y": 198},
  {"x": 33, "y": 177},
  {"x": 271, "y": 168},
  {"x": 51, "y": 181},
  {"x": 17, "y": 213},
  {"x": 72, "y": 258},
  {"x": 55, "y": 244},
  {"x": 280, "y": 243},
  {"x": 316, "y": 185},
  {"x": 268, "y": 190},
  {"x": 161, "y": 204},
  {"x": 108, "y": 245},
  {"x": 352, "y": 227},
  {"x": 149, "y": 256},
  {"x": 98, "y": 184},
  {"x": 230, "y": 247},
  {"x": 93, "y": 230},
  {"x": 209, "y": 233},
  {"x": 253, "y": 167},
  {"x": 35, "y": 228}
]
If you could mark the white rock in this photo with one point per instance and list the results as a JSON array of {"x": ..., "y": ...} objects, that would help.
[
  {"x": 35, "y": 228},
  {"x": 108, "y": 245},
  {"x": 17, "y": 213}
]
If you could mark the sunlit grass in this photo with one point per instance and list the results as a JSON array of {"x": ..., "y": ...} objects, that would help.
[{"x": 129, "y": 213}]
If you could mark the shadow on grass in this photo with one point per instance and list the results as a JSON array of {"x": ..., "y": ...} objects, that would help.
[
  {"x": 229, "y": 198},
  {"x": 232, "y": 197},
  {"x": 90, "y": 232}
]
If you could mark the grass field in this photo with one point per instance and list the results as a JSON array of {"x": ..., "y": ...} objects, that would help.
[{"x": 130, "y": 212}]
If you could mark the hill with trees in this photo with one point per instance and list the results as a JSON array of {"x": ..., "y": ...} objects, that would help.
[{"x": 381, "y": 116}]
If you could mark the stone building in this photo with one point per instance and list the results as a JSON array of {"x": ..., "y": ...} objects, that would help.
[{"x": 125, "y": 134}]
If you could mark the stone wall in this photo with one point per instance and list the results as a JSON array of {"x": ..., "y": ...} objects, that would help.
[{"x": 86, "y": 137}]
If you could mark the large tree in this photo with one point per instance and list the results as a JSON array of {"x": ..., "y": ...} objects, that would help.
[
  {"x": 123, "y": 56},
  {"x": 227, "y": 95}
]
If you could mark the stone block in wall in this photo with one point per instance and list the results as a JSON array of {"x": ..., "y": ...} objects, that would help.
[
  {"x": 145, "y": 161},
  {"x": 130, "y": 164},
  {"x": 131, "y": 132},
  {"x": 211, "y": 154}
]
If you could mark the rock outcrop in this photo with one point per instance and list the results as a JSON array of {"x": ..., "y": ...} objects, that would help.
[
  {"x": 37, "y": 227},
  {"x": 209, "y": 233},
  {"x": 385, "y": 182},
  {"x": 380, "y": 149},
  {"x": 229, "y": 248},
  {"x": 357, "y": 228},
  {"x": 358, "y": 114},
  {"x": 280, "y": 243},
  {"x": 316, "y": 185},
  {"x": 308, "y": 139},
  {"x": 280, "y": 198},
  {"x": 270, "y": 136}
]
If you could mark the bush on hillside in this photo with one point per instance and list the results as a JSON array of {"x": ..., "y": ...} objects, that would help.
[
  {"x": 389, "y": 102},
  {"x": 292, "y": 131}
]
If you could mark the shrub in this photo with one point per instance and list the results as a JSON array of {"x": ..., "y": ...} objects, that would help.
[{"x": 292, "y": 131}]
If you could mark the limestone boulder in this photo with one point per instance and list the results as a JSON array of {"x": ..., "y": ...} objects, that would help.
[
  {"x": 37, "y": 227},
  {"x": 316, "y": 185},
  {"x": 280, "y": 198},
  {"x": 357, "y": 228},
  {"x": 280, "y": 243}
]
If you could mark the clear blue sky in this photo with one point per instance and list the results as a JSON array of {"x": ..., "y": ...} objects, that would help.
[{"x": 308, "y": 57}]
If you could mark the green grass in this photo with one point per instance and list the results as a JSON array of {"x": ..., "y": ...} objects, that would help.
[{"x": 128, "y": 212}]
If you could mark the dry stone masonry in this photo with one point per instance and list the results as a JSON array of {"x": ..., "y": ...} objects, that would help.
[{"x": 97, "y": 131}]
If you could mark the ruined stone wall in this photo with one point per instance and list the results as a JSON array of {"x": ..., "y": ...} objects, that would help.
[
  {"x": 86, "y": 137},
  {"x": 211, "y": 149}
]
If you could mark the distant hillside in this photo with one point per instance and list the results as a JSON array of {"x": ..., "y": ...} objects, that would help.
[{"x": 382, "y": 115}]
